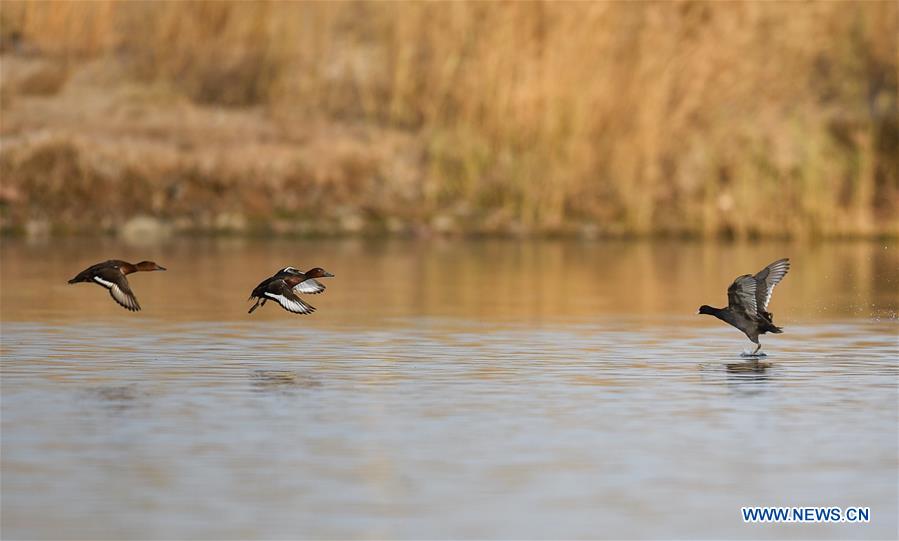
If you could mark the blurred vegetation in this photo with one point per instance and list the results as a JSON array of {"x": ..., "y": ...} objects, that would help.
[{"x": 607, "y": 118}]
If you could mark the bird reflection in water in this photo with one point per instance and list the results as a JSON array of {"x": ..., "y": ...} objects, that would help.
[
  {"x": 116, "y": 398},
  {"x": 754, "y": 366},
  {"x": 281, "y": 380},
  {"x": 752, "y": 372}
]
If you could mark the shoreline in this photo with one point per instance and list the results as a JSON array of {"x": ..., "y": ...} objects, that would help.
[{"x": 159, "y": 230}]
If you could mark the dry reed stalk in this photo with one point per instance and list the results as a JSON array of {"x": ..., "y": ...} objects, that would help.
[{"x": 694, "y": 118}]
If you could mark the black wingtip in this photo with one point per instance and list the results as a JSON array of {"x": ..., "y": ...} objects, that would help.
[{"x": 309, "y": 310}]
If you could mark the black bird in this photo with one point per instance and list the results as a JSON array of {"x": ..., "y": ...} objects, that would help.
[
  {"x": 284, "y": 286},
  {"x": 111, "y": 275},
  {"x": 747, "y": 302}
]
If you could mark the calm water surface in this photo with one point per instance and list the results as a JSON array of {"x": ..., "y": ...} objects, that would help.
[{"x": 490, "y": 389}]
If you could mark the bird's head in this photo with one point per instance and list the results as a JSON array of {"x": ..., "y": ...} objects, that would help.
[
  {"x": 318, "y": 272},
  {"x": 149, "y": 266}
]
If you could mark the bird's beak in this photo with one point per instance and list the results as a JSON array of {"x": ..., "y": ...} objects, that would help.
[
  {"x": 160, "y": 267},
  {"x": 328, "y": 275}
]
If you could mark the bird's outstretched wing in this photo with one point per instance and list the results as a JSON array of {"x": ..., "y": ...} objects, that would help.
[
  {"x": 741, "y": 295},
  {"x": 87, "y": 275},
  {"x": 113, "y": 280},
  {"x": 766, "y": 279},
  {"x": 311, "y": 286},
  {"x": 282, "y": 293}
]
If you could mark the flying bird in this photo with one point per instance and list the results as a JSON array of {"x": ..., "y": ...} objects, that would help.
[
  {"x": 284, "y": 286},
  {"x": 111, "y": 275},
  {"x": 747, "y": 302}
]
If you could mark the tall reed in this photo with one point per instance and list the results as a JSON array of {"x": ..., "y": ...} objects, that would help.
[{"x": 749, "y": 118}]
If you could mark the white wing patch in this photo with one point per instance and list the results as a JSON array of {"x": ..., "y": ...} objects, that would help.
[
  {"x": 311, "y": 286},
  {"x": 126, "y": 300},
  {"x": 296, "y": 306},
  {"x": 102, "y": 282}
]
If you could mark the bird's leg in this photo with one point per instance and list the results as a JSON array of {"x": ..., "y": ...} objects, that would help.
[{"x": 758, "y": 347}]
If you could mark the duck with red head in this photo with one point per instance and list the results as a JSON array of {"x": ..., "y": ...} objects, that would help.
[
  {"x": 284, "y": 286},
  {"x": 111, "y": 275},
  {"x": 148, "y": 266}
]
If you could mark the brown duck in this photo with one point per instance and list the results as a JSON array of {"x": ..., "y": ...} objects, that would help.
[
  {"x": 111, "y": 275},
  {"x": 284, "y": 286}
]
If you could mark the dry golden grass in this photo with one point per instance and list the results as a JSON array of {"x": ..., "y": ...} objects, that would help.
[
  {"x": 698, "y": 118},
  {"x": 46, "y": 80}
]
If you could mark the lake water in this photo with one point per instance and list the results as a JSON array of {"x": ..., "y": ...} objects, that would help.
[{"x": 445, "y": 389}]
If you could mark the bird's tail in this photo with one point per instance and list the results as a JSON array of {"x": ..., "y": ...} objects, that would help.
[
  {"x": 768, "y": 323},
  {"x": 772, "y": 328}
]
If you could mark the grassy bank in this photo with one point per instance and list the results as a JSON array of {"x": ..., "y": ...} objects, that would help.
[{"x": 683, "y": 118}]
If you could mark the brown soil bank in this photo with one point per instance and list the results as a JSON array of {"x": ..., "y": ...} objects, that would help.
[{"x": 701, "y": 119}]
